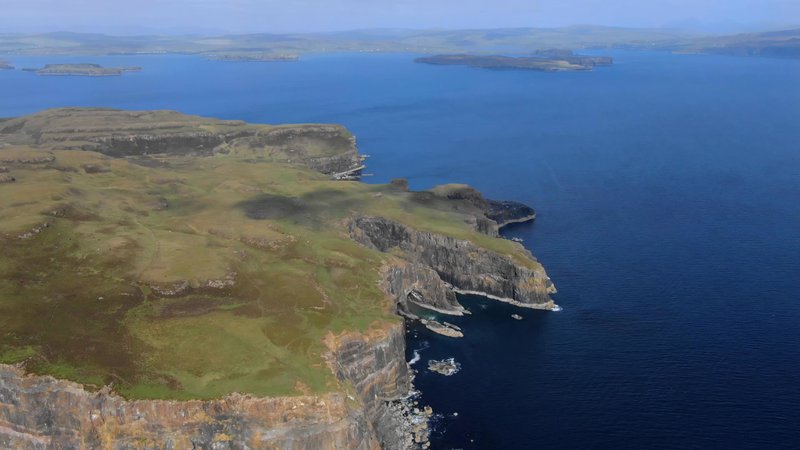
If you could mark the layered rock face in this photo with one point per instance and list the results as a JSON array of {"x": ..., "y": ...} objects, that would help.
[
  {"x": 417, "y": 283},
  {"x": 39, "y": 412},
  {"x": 462, "y": 264},
  {"x": 374, "y": 364}
]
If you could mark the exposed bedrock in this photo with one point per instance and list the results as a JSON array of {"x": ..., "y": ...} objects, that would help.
[
  {"x": 462, "y": 264},
  {"x": 40, "y": 412},
  {"x": 417, "y": 283},
  {"x": 374, "y": 364}
]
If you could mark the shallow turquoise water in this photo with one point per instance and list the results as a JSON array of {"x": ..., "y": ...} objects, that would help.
[{"x": 668, "y": 193}]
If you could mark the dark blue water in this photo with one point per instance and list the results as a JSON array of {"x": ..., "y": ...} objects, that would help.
[{"x": 668, "y": 193}]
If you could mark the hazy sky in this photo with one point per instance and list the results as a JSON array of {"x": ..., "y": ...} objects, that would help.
[{"x": 180, "y": 16}]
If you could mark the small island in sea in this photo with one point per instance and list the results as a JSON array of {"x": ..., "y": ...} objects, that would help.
[
  {"x": 87, "y": 70},
  {"x": 253, "y": 57},
  {"x": 545, "y": 61},
  {"x": 4, "y": 65}
]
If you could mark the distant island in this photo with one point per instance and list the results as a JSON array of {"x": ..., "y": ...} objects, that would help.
[
  {"x": 570, "y": 57},
  {"x": 87, "y": 70},
  {"x": 253, "y": 57},
  {"x": 4, "y": 65},
  {"x": 545, "y": 61}
]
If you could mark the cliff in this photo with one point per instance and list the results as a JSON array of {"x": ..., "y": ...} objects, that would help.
[
  {"x": 40, "y": 412},
  {"x": 329, "y": 149},
  {"x": 374, "y": 364},
  {"x": 458, "y": 263}
]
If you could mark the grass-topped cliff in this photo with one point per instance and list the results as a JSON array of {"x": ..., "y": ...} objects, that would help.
[{"x": 175, "y": 256}]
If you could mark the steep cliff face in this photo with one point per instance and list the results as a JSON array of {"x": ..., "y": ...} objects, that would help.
[
  {"x": 374, "y": 364},
  {"x": 38, "y": 413},
  {"x": 462, "y": 264},
  {"x": 417, "y": 283}
]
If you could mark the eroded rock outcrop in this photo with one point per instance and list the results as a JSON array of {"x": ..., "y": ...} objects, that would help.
[
  {"x": 462, "y": 264},
  {"x": 419, "y": 284},
  {"x": 374, "y": 364}
]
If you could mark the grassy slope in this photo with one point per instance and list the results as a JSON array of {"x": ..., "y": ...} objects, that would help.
[{"x": 80, "y": 299}]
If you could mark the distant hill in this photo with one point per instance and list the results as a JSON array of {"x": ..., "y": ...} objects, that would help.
[
  {"x": 784, "y": 43},
  {"x": 511, "y": 40},
  {"x": 781, "y": 44}
]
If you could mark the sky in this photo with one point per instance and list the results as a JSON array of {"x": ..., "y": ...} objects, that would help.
[{"x": 246, "y": 16}]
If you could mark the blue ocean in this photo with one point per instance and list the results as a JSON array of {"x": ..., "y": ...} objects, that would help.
[{"x": 668, "y": 196}]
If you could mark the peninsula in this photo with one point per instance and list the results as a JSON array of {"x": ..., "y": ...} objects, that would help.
[
  {"x": 545, "y": 62},
  {"x": 87, "y": 70},
  {"x": 183, "y": 281}
]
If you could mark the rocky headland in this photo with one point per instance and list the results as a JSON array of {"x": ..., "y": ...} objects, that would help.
[{"x": 172, "y": 281}]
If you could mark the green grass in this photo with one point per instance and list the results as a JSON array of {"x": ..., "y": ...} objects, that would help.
[{"x": 80, "y": 300}]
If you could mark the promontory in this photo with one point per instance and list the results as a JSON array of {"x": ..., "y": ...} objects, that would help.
[{"x": 174, "y": 281}]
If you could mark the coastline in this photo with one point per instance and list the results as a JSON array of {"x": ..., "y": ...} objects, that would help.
[
  {"x": 549, "y": 306},
  {"x": 513, "y": 221}
]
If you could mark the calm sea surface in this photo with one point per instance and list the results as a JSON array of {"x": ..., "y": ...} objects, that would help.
[{"x": 668, "y": 193}]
